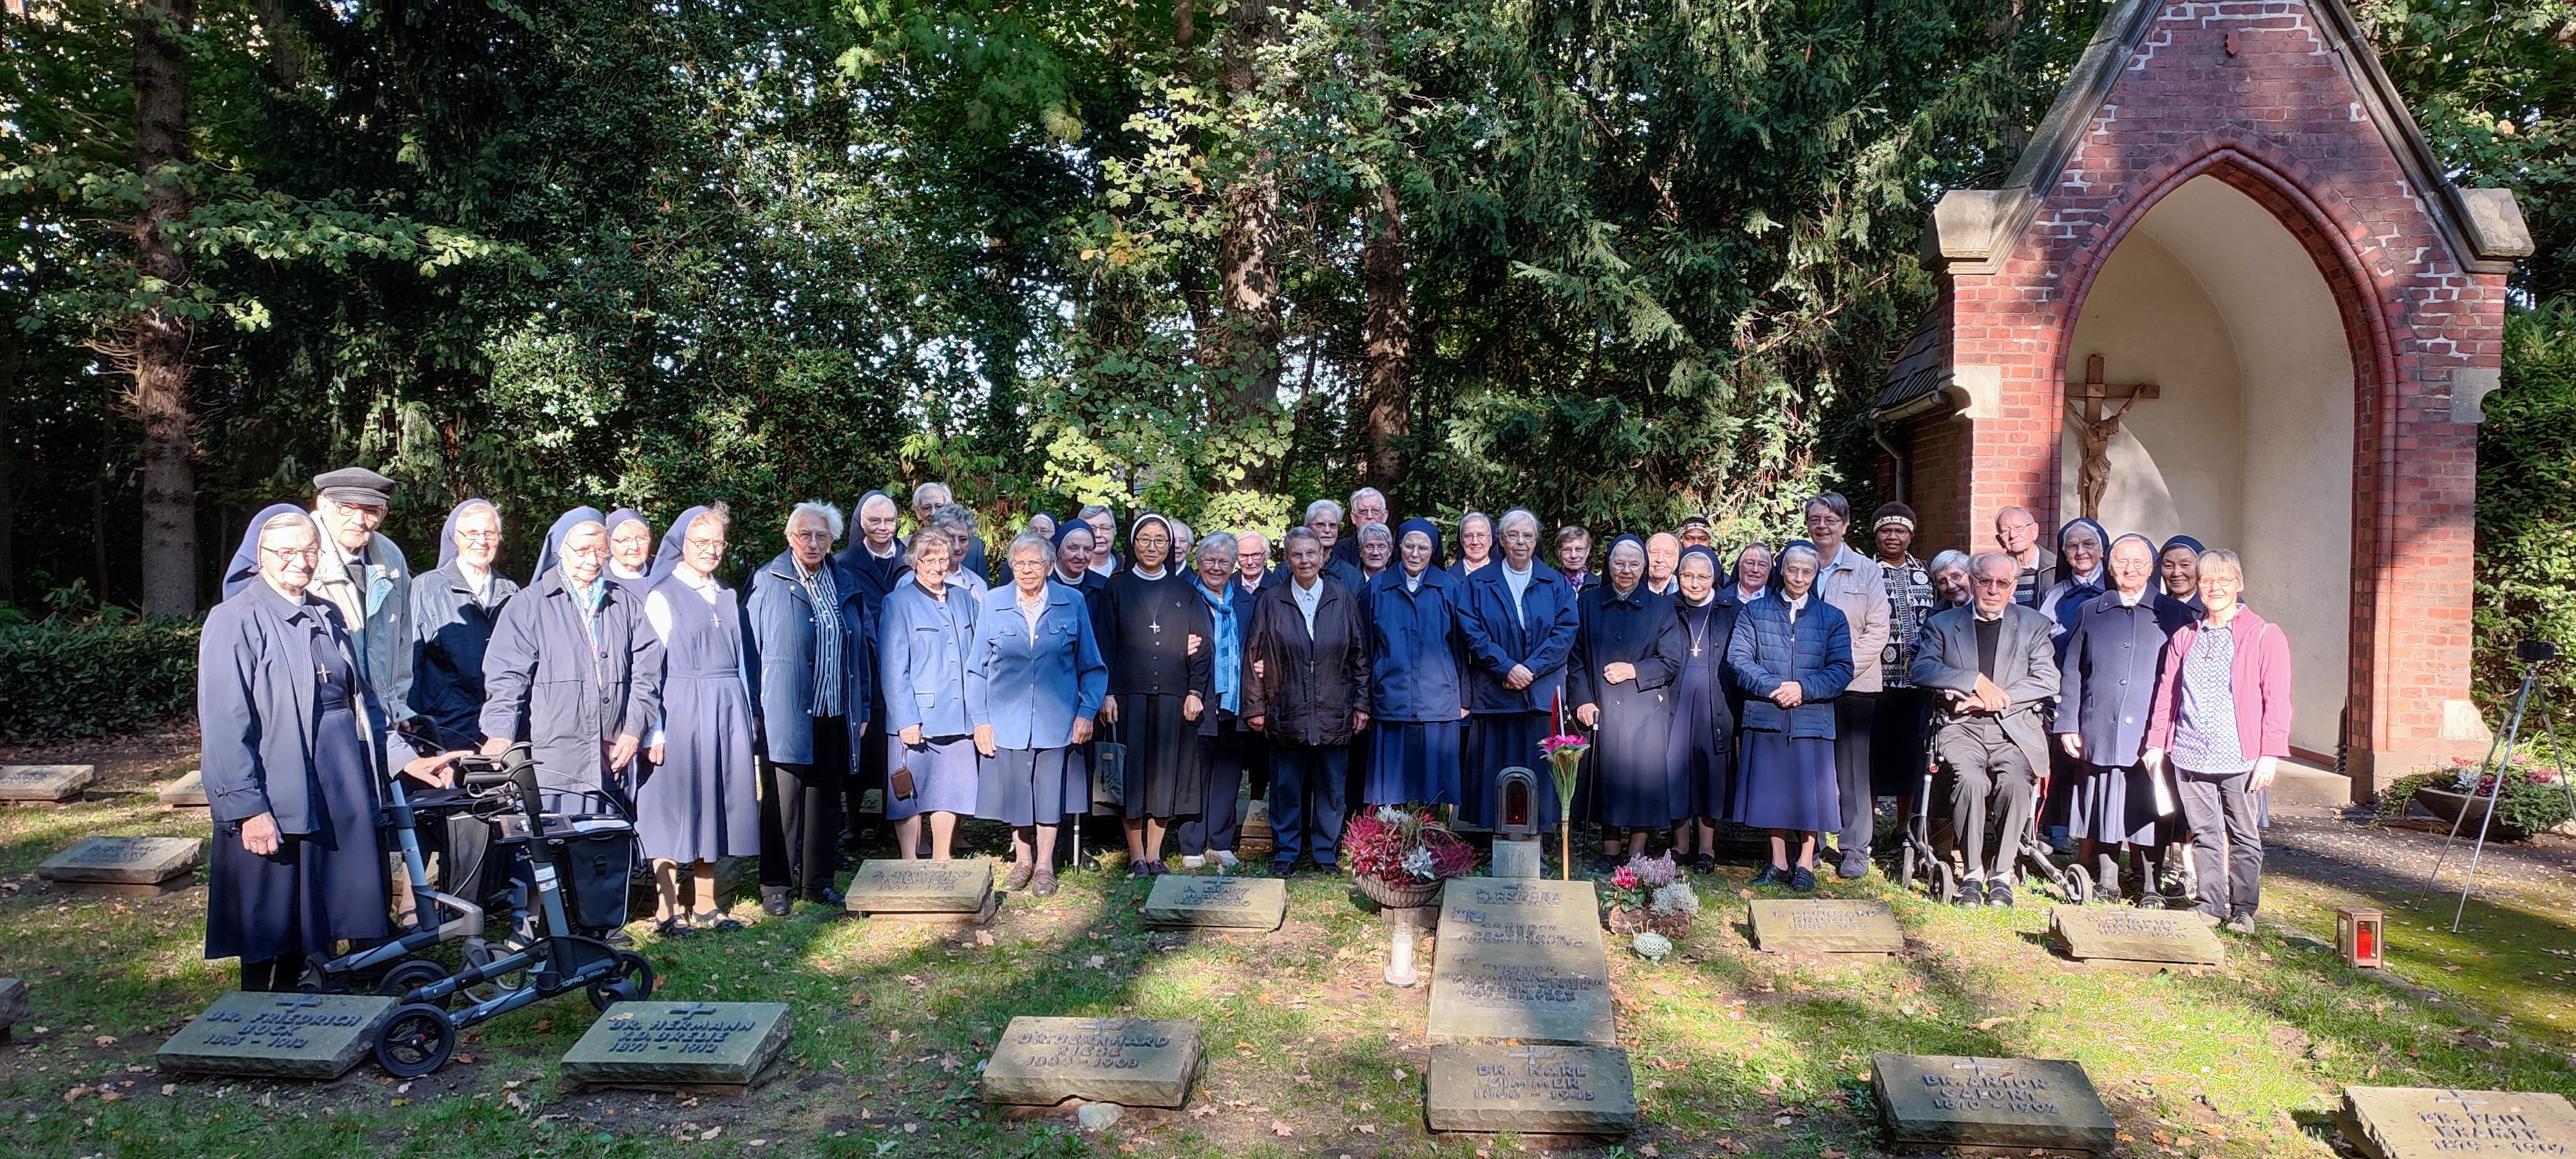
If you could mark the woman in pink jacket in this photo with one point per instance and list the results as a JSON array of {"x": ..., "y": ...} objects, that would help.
[{"x": 2222, "y": 716}]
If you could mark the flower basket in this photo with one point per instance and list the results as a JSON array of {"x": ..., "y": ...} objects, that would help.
[
  {"x": 1624, "y": 920},
  {"x": 1399, "y": 859},
  {"x": 1394, "y": 895},
  {"x": 2532, "y": 799},
  {"x": 2451, "y": 806},
  {"x": 1648, "y": 895}
]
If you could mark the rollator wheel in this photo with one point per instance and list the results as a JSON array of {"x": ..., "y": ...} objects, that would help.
[
  {"x": 411, "y": 974},
  {"x": 633, "y": 983},
  {"x": 1905, "y": 867},
  {"x": 415, "y": 1040},
  {"x": 2079, "y": 886},
  {"x": 1944, "y": 883}
]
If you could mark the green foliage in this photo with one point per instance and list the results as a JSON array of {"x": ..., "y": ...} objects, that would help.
[
  {"x": 71, "y": 678},
  {"x": 2526, "y": 561}
]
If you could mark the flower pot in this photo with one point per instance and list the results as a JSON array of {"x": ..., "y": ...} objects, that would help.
[
  {"x": 1398, "y": 895},
  {"x": 1624, "y": 920},
  {"x": 2466, "y": 812}
]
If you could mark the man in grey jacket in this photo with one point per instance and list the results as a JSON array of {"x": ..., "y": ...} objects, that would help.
[
  {"x": 1997, "y": 671},
  {"x": 365, "y": 575}
]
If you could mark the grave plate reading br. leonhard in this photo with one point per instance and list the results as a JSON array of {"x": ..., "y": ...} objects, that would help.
[
  {"x": 1244, "y": 903},
  {"x": 2408, "y": 1122},
  {"x": 1133, "y": 1062},
  {"x": 1989, "y": 1102},
  {"x": 303, "y": 1036},
  {"x": 40, "y": 783},
  {"x": 662, "y": 1045},
  {"x": 1832, "y": 927},
  {"x": 2135, "y": 935},
  {"x": 925, "y": 890},
  {"x": 1546, "y": 1090},
  {"x": 125, "y": 864},
  {"x": 1523, "y": 960}
]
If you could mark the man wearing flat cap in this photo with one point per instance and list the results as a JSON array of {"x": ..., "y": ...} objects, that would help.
[{"x": 363, "y": 574}]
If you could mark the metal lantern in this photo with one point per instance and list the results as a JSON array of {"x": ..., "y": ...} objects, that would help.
[
  {"x": 1517, "y": 789},
  {"x": 2358, "y": 935}
]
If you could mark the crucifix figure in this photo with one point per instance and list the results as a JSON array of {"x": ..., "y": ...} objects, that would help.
[{"x": 2095, "y": 429}]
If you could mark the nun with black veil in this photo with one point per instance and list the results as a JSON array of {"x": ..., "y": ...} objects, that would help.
[
  {"x": 1702, "y": 744},
  {"x": 293, "y": 746},
  {"x": 1154, "y": 631}
]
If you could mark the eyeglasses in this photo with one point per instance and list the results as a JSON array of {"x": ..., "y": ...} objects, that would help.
[
  {"x": 284, "y": 554},
  {"x": 478, "y": 536},
  {"x": 696, "y": 544},
  {"x": 593, "y": 552}
]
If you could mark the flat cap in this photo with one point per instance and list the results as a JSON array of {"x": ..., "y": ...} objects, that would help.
[{"x": 355, "y": 485}]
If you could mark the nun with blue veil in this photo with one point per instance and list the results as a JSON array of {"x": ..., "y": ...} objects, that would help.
[
  {"x": 294, "y": 745},
  {"x": 699, "y": 803},
  {"x": 1418, "y": 655},
  {"x": 630, "y": 551}
]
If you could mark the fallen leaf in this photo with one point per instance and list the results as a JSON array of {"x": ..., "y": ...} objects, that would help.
[
  {"x": 110, "y": 1096},
  {"x": 1368, "y": 1128},
  {"x": 106, "y": 1040},
  {"x": 1281, "y": 1129},
  {"x": 910, "y": 1128},
  {"x": 545, "y": 1024},
  {"x": 1991, "y": 1023},
  {"x": 1650, "y": 1152},
  {"x": 73, "y": 1095},
  {"x": 1202, "y": 1111},
  {"x": 169, "y": 1089},
  {"x": 709, "y": 1134}
]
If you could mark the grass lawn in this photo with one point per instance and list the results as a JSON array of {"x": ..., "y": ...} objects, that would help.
[{"x": 1736, "y": 1052}]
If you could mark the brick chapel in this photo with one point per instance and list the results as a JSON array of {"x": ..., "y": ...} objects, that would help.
[{"x": 2230, "y": 258}]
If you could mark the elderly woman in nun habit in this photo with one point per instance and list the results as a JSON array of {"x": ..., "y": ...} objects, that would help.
[
  {"x": 630, "y": 551},
  {"x": 926, "y": 633},
  {"x": 700, "y": 804},
  {"x": 1155, "y": 633},
  {"x": 1034, "y": 684},
  {"x": 1701, "y": 752},
  {"x": 293, "y": 744},
  {"x": 453, "y": 608},
  {"x": 2178, "y": 570},
  {"x": 1418, "y": 664},
  {"x": 575, "y": 669},
  {"x": 1475, "y": 544},
  {"x": 1520, "y": 622},
  {"x": 2106, "y": 687},
  {"x": 1792, "y": 654},
  {"x": 2080, "y": 547},
  {"x": 1626, "y": 653}
]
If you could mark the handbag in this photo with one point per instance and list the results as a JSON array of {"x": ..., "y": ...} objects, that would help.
[{"x": 1108, "y": 775}]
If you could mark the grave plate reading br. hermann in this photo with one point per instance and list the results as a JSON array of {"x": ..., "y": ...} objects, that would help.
[
  {"x": 2135, "y": 935},
  {"x": 2407, "y": 1122},
  {"x": 1244, "y": 903},
  {"x": 134, "y": 865},
  {"x": 1989, "y": 1102},
  {"x": 666, "y": 1045},
  {"x": 1133, "y": 1062},
  {"x": 41, "y": 783},
  {"x": 959, "y": 891},
  {"x": 302, "y": 1036},
  {"x": 1521, "y": 959},
  {"x": 1547, "y": 1090},
  {"x": 1832, "y": 927}
]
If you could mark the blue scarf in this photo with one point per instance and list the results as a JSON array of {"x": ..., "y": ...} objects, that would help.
[{"x": 1229, "y": 647}]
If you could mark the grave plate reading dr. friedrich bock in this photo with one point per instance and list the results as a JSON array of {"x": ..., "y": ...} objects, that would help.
[
  {"x": 1183, "y": 901},
  {"x": 1544, "y": 1090},
  {"x": 302, "y": 1036},
  {"x": 667, "y": 1045},
  {"x": 1133, "y": 1062},
  {"x": 2409, "y": 1122},
  {"x": 1521, "y": 959},
  {"x": 1989, "y": 1102}
]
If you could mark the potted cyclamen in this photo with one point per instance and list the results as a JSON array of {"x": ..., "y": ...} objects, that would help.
[
  {"x": 1399, "y": 859},
  {"x": 1649, "y": 896}
]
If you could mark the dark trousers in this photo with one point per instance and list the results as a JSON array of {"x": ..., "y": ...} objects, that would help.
[
  {"x": 1220, "y": 773},
  {"x": 1991, "y": 771},
  {"x": 1855, "y": 715},
  {"x": 800, "y": 813},
  {"x": 1306, "y": 802},
  {"x": 870, "y": 774},
  {"x": 2226, "y": 842},
  {"x": 1256, "y": 765}
]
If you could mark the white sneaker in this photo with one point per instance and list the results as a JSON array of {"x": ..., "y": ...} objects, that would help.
[
  {"x": 1193, "y": 861},
  {"x": 1225, "y": 860}
]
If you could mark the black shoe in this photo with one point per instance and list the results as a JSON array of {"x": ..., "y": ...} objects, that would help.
[
  {"x": 1972, "y": 893},
  {"x": 773, "y": 900},
  {"x": 1802, "y": 879},
  {"x": 1283, "y": 869},
  {"x": 675, "y": 928},
  {"x": 831, "y": 897},
  {"x": 1705, "y": 865},
  {"x": 1771, "y": 875},
  {"x": 1999, "y": 893}
]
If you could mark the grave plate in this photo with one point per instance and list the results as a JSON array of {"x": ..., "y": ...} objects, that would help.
[
  {"x": 1133, "y": 1062},
  {"x": 2408, "y": 1122},
  {"x": 1247, "y": 903},
  {"x": 1989, "y": 1102},
  {"x": 188, "y": 792},
  {"x": 666, "y": 1045},
  {"x": 1832, "y": 927},
  {"x": 14, "y": 1007},
  {"x": 128, "y": 861},
  {"x": 1521, "y": 959},
  {"x": 959, "y": 888},
  {"x": 264, "y": 1035},
  {"x": 2136, "y": 935},
  {"x": 45, "y": 782},
  {"x": 1547, "y": 1090}
]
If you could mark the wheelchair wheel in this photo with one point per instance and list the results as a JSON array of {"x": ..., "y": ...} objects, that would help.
[
  {"x": 2079, "y": 886},
  {"x": 415, "y": 1040},
  {"x": 633, "y": 983},
  {"x": 1945, "y": 885},
  {"x": 411, "y": 974}
]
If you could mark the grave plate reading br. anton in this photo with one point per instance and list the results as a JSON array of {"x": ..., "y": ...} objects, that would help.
[
  {"x": 302, "y": 1036},
  {"x": 1245, "y": 903},
  {"x": 1133, "y": 1062},
  {"x": 1832, "y": 927},
  {"x": 960, "y": 891},
  {"x": 665, "y": 1045},
  {"x": 1547, "y": 1090},
  {"x": 1521, "y": 959},
  {"x": 2408, "y": 1122},
  {"x": 1989, "y": 1102},
  {"x": 188, "y": 792},
  {"x": 40, "y": 783},
  {"x": 2135, "y": 935},
  {"x": 125, "y": 864}
]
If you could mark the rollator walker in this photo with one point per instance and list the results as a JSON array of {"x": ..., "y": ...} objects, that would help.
[{"x": 1918, "y": 862}]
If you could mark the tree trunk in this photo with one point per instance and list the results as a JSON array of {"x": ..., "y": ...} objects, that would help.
[
  {"x": 11, "y": 346},
  {"x": 1249, "y": 317},
  {"x": 2003, "y": 27},
  {"x": 1386, "y": 345},
  {"x": 161, "y": 349}
]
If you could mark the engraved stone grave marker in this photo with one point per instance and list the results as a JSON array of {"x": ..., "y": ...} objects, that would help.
[
  {"x": 1134, "y": 1062},
  {"x": 1244, "y": 903},
  {"x": 1521, "y": 959},
  {"x": 41, "y": 783},
  {"x": 1549, "y": 1090},
  {"x": 126, "y": 865},
  {"x": 2410, "y": 1122},
  {"x": 667, "y": 1045},
  {"x": 2135, "y": 935},
  {"x": 304, "y": 1036},
  {"x": 1832, "y": 927},
  {"x": 188, "y": 792},
  {"x": 934, "y": 891},
  {"x": 14, "y": 1007},
  {"x": 1989, "y": 1102}
]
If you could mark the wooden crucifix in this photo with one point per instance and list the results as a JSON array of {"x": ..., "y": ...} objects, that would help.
[{"x": 2096, "y": 428}]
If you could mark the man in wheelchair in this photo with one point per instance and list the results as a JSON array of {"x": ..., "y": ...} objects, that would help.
[{"x": 1996, "y": 674}]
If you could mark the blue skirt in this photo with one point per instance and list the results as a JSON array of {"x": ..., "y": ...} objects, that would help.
[
  {"x": 1788, "y": 783},
  {"x": 1029, "y": 786},
  {"x": 1413, "y": 761},
  {"x": 2114, "y": 803},
  {"x": 944, "y": 776}
]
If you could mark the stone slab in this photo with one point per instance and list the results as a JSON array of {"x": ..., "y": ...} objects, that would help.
[
  {"x": 923, "y": 887},
  {"x": 981, "y": 917},
  {"x": 14, "y": 1006},
  {"x": 1247, "y": 903},
  {"x": 45, "y": 783},
  {"x": 1133, "y": 1062},
  {"x": 124, "y": 860},
  {"x": 1521, "y": 960},
  {"x": 1517, "y": 861},
  {"x": 1945, "y": 1100},
  {"x": 188, "y": 792},
  {"x": 666, "y": 1044},
  {"x": 2410, "y": 1122},
  {"x": 1826, "y": 926},
  {"x": 264, "y": 1035},
  {"x": 1547, "y": 1090},
  {"x": 2135, "y": 935}
]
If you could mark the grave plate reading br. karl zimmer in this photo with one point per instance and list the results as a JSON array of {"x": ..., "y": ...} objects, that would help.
[
  {"x": 1182, "y": 900},
  {"x": 2407, "y": 1122},
  {"x": 2119, "y": 933},
  {"x": 933, "y": 891},
  {"x": 1831, "y": 927},
  {"x": 669, "y": 1045},
  {"x": 301, "y": 1036},
  {"x": 1133, "y": 1062},
  {"x": 1521, "y": 959},
  {"x": 1546, "y": 1090},
  {"x": 1989, "y": 1102},
  {"x": 44, "y": 783},
  {"x": 129, "y": 865}
]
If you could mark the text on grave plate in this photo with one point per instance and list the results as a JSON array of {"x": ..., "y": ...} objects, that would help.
[{"x": 1990, "y": 1093}]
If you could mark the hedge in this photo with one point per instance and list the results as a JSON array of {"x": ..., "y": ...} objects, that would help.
[{"x": 63, "y": 679}]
